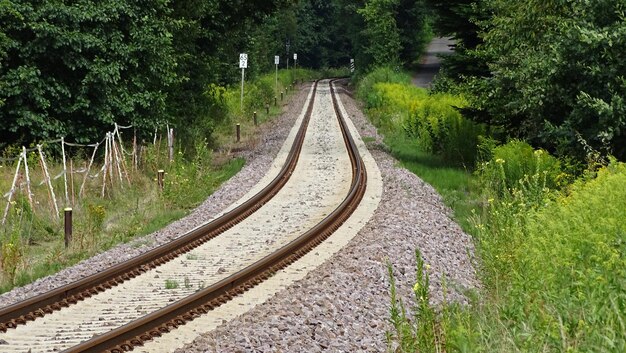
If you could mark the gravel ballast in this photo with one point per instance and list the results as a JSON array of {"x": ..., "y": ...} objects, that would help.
[
  {"x": 258, "y": 161},
  {"x": 343, "y": 305}
]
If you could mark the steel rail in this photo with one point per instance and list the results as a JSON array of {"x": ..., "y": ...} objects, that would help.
[
  {"x": 30, "y": 309},
  {"x": 136, "y": 333}
]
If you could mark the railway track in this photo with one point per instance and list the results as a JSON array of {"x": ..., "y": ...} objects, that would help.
[{"x": 195, "y": 299}]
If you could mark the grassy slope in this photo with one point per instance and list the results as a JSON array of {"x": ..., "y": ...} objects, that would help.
[{"x": 553, "y": 262}]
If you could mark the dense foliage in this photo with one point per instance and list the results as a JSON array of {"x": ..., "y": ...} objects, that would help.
[
  {"x": 549, "y": 245},
  {"x": 73, "y": 68},
  {"x": 555, "y": 71},
  {"x": 459, "y": 20},
  {"x": 432, "y": 120}
]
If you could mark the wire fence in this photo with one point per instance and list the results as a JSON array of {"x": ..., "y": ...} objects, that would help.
[{"x": 117, "y": 164}]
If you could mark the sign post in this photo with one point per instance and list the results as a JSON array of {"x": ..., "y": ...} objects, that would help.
[
  {"x": 295, "y": 65},
  {"x": 287, "y": 45},
  {"x": 276, "y": 62},
  {"x": 243, "y": 65}
]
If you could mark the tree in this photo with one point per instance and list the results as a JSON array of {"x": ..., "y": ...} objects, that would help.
[
  {"x": 207, "y": 38},
  {"x": 381, "y": 31},
  {"x": 74, "y": 68},
  {"x": 460, "y": 20},
  {"x": 558, "y": 74},
  {"x": 413, "y": 21}
]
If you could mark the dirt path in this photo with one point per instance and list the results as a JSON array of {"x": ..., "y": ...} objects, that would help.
[{"x": 430, "y": 62}]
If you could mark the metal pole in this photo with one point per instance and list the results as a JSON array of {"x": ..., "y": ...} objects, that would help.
[{"x": 68, "y": 226}]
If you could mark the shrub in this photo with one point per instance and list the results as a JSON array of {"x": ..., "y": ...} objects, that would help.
[
  {"x": 433, "y": 120},
  {"x": 513, "y": 164},
  {"x": 441, "y": 129},
  {"x": 380, "y": 75},
  {"x": 574, "y": 262}
]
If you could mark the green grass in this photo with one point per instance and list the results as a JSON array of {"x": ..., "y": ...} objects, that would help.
[
  {"x": 457, "y": 186},
  {"x": 390, "y": 98},
  {"x": 126, "y": 214},
  {"x": 554, "y": 272},
  {"x": 171, "y": 284}
]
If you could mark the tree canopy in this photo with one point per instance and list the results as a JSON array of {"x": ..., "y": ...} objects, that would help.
[
  {"x": 73, "y": 68},
  {"x": 551, "y": 72}
]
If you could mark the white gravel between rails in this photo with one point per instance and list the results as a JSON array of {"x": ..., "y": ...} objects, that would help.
[
  {"x": 319, "y": 183},
  {"x": 271, "y": 138},
  {"x": 343, "y": 305}
]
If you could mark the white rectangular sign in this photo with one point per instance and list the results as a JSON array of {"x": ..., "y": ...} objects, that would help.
[
  {"x": 295, "y": 56},
  {"x": 243, "y": 61},
  {"x": 276, "y": 60}
]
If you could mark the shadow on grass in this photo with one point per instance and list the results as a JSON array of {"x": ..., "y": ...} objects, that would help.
[{"x": 457, "y": 186}]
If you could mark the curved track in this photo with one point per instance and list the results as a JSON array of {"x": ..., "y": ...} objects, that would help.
[{"x": 167, "y": 318}]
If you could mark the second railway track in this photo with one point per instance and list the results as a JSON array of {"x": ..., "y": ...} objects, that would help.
[{"x": 164, "y": 296}]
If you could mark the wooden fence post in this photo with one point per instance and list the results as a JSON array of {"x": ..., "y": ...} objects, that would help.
[
  {"x": 17, "y": 171},
  {"x": 49, "y": 181}
]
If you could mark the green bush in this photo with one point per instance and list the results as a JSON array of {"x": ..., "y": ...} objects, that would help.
[
  {"x": 554, "y": 274},
  {"x": 433, "y": 120},
  {"x": 574, "y": 261},
  {"x": 553, "y": 263},
  {"x": 437, "y": 123},
  {"x": 512, "y": 165},
  {"x": 380, "y": 75}
]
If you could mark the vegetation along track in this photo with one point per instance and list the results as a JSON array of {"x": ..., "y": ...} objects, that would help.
[{"x": 136, "y": 332}]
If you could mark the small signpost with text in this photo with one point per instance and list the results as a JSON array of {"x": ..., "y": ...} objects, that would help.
[
  {"x": 243, "y": 65},
  {"x": 276, "y": 62},
  {"x": 295, "y": 66}
]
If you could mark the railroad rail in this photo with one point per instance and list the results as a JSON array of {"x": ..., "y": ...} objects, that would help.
[
  {"x": 29, "y": 310},
  {"x": 164, "y": 320}
]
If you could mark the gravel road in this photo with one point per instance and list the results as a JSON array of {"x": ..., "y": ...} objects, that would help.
[{"x": 431, "y": 62}]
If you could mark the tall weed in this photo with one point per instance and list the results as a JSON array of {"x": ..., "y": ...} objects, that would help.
[
  {"x": 571, "y": 276},
  {"x": 433, "y": 120},
  {"x": 441, "y": 129},
  {"x": 553, "y": 265},
  {"x": 513, "y": 163},
  {"x": 417, "y": 331},
  {"x": 12, "y": 245},
  {"x": 366, "y": 91}
]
